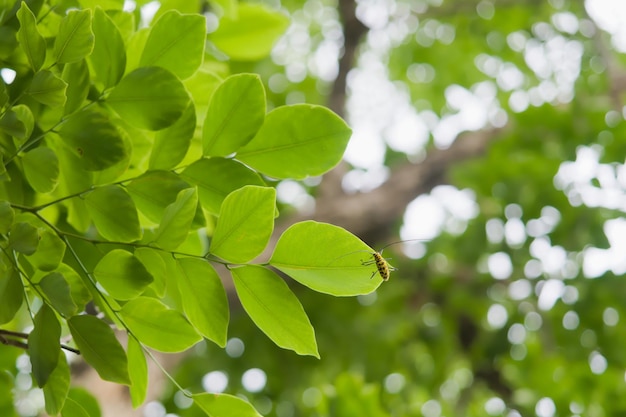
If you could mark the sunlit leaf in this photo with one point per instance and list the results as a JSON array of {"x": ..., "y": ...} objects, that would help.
[
  {"x": 176, "y": 43},
  {"x": 48, "y": 89},
  {"x": 149, "y": 98},
  {"x": 177, "y": 219},
  {"x": 325, "y": 258},
  {"x": 275, "y": 309},
  {"x": 75, "y": 39},
  {"x": 205, "y": 303},
  {"x": 235, "y": 114},
  {"x": 138, "y": 371},
  {"x": 157, "y": 326},
  {"x": 33, "y": 44},
  {"x": 245, "y": 224},
  {"x": 41, "y": 168},
  {"x": 114, "y": 214},
  {"x": 108, "y": 59},
  {"x": 56, "y": 389},
  {"x": 224, "y": 405},
  {"x": 297, "y": 141}
]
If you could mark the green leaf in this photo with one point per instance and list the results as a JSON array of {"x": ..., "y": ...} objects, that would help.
[
  {"x": 122, "y": 275},
  {"x": 251, "y": 34},
  {"x": 176, "y": 43},
  {"x": 48, "y": 89},
  {"x": 50, "y": 251},
  {"x": 235, "y": 114},
  {"x": 105, "y": 4},
  {"x": 94, "y": 139},
  {"x": 76, "y": 75},
  {"x": 154, "y": 263},
  {"x": 149, "y": 98},
  {"x": 6, "y": 217},
  {"x": 224, "y": 405},
  {"x": 138, "y": 371},
  {"x": 73, "y": 409},
  {"x": 75, "y": 39},
  {"x": 24, "y": 238},
  {"x": 56, "y": 389},
  {"x": 79, "y": 292},
  {"x": 108, "y": 59},
  {"x": 216, "y": 178},
  {"x": 44, "y": 344},
  {"x": 41, "y": 168},
  {"x": 205, "y": 303},
  {"x": 325, "y": 258},
  {"x": 155, "y": 191},
  {"x": 114, "y": 213},
  {"x": 171, "y": 144},
  {"x": 31, "y": 41},
  {"x": 57, "y": 290},
  {"x": 157, "y": 326},
  {"x": 11, "y": 293},
  {"x": 100, "y": 348},
  {"x": 245, "y": 224},
  {"x": 297, "y": 141},
  {"x": 18, "y": 122},
  {"x": 86, "y": 400},
  {"x": 177, "y": 219},
  {"x": 275, "y": 309}
]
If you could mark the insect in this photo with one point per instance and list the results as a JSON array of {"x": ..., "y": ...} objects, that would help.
[{"x": 383, "y": 268}]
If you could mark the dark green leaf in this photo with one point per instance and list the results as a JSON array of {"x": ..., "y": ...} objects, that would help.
[
  {"x": 11, "y": 293},
  {"x": 6, "y": 217},
  {"x": 122, "y": 275},
  {"x": 205, "y": 303},
  {"x": 245, "y": 224},
  {"x": 49, "y": 253},
  {"x": 176, "y": 43},
  {"x": 18, "y": 122},
  {"x": 24, "y": 238},
  {"x": 235, "y": 114},
  {"x": 114, "y": 214},
  {"x": 154, "y": 191},
  {"x": 100, "y": 348},
  {"x": 297, "y": 141},
  {"x": 57, "y": 290},
  {"x": 157, "y": 326},
  {"x": 218, "y": 177},
  {"x": 75, "y": 39},
  {"x": 44, "y": 344},
  {"x": 94, "y": 139},
  {"x": 31, "y": 41},
  {"x": 149, "y": 98},
  {"x": 275, "y": 309}
]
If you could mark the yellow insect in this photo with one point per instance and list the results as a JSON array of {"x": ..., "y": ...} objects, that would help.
[{"x": 383, "y": 268}]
